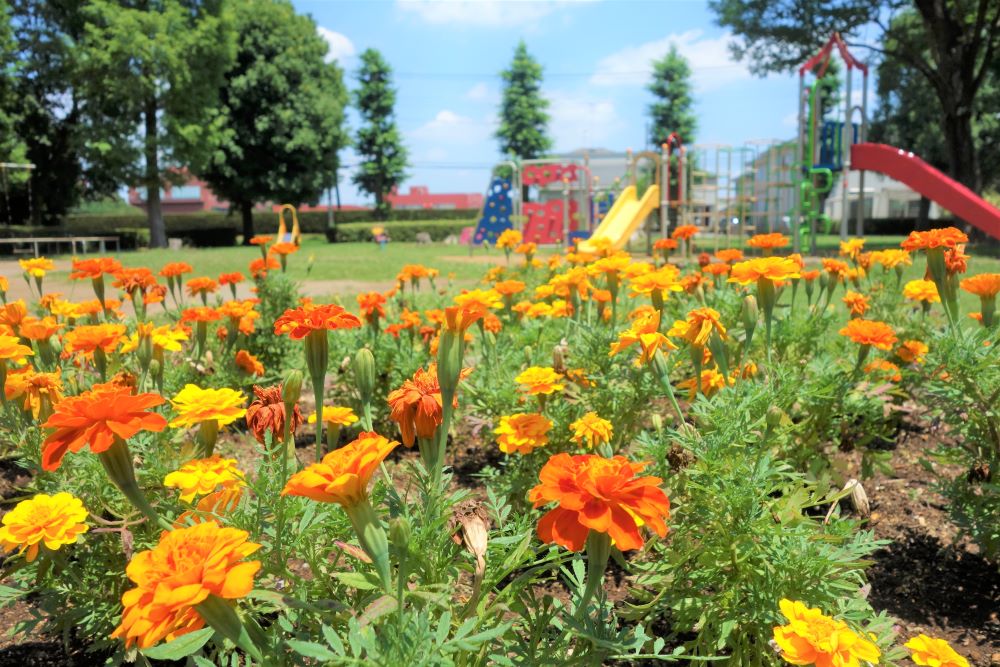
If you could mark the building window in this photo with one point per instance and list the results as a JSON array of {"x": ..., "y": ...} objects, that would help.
[
  {"x": 185, "y": 192},
  {"x": 868, "y": 208}
]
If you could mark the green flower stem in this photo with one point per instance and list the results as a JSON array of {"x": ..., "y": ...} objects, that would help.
[
  {"x": 661, "y": 370},
  {"x": 117, "y": 462},
  {"x": 222, "y": 616},
  {"x": 373, "y": 539},
  {"x": 598, "y": 553}
]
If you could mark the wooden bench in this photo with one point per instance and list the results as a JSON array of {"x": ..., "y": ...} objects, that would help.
[{"x": 33, "y": 244}]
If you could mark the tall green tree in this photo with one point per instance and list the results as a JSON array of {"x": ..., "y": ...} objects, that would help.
[
  {"x": 952, "y": 47},
  {"x": 159, "y": 65},
  {"x": 281, "y": 110},
  {"x": 523, "y": 131},
  {"x": 673, "y": 107},
  {"x": 379, "y": 144},
  {"x": 12, "y": 148}
]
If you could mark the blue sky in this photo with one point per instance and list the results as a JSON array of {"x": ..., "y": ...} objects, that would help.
[{"x": 447, "y": 55}]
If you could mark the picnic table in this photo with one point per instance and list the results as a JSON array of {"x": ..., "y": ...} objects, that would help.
[{"x": 37, "y": 242}]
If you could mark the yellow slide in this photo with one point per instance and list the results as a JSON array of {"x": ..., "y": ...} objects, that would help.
[{"x": 624, "y": 218}]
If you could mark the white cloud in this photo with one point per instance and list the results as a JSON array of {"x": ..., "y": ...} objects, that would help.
[
  {"x": 712, "y": 66},
  {"x": 448, "y": 127},
  {"x": 581, "y": 121},
  {"x": 488, "y": 13},
  {"x": 791, "y": 120},
  {"x": 480, "y": 92},
  {"x": 339, "y": 47}
]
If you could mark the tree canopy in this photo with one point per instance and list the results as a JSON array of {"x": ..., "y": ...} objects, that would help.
[
  {"x": 673, "y": 106},
  {"x": 281, "y": 113},
  {"x": 523, "y": 131},
  {"x": 379, "y": 143}
]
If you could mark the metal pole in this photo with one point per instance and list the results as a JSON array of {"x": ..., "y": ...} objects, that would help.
[
  {"x": 665, "y": 190},
  {"x": 862, "y": 137},
  {"x": 565, "y": 207},
  {"x": 845, "y": 160},
  {"x": 796, "y": 216}
]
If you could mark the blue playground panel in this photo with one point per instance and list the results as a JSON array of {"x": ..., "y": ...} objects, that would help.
[
  {"x": 830, "y": 137},
  {"x": 496, "y": 212}
]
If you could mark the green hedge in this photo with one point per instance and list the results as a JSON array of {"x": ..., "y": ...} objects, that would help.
[{"x": 439, "y": 230}]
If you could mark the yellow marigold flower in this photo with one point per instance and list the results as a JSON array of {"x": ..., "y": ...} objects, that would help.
[
  {"x": 663, "y": 280},
  {"x": 811, "y": 638},
  {"x": 637, "y": 269},
  {"x": 195, "y": 405},
  {"x": 52, "y": 521},
  {"x": 539, "y": 380},
  {"x": 342, "y": 476},
  {"x": 766, "y": 268},
  {"x": 186, "y": 567},
  {"x": 711, "y": 382},
  {"x": 479, "y": 299},
  {"x": 645, "y": 330},
  {"x": 591, "y": 430},
  {"x": 852, "y": 248},
  {"x": 508, "y": 239},
  {"x": 203, "y": 476},
  {"x": 336, "y": 415},
  {"x": 912, "y": 351},
  {"x": 891, "y": 258},
  {"x": 931, "y": 652},
  {"x": 612, "y": 264},
  {"x": 11, "y": 349},
  {"x": 870, "y": 332},
  {"x": 698, "y": 327},
  {"x": 30, "y": 387},
  {"x": 36, "y": 267},
  {"x": 921, "y": 290},
  {"x": 522, "y": 432}
]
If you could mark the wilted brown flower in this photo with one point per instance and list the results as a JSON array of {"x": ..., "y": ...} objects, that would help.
[{"x": 267, "y": 413}]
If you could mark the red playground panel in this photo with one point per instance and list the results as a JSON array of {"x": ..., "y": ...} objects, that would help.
[
  {"x": 544, "y": 174},
  {"x": 545, "y": 221}
]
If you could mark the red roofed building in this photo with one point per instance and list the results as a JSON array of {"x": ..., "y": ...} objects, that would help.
[{"x": 420, "y": 197}]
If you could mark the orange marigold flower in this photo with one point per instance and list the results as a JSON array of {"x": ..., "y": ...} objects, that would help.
[
  {"x": 984, "y": 285},
  {"x": 870, "y": 332},
  {"x": 764, "y": 268},
  {"x": 684, "y": 232},
  {"x": 283, "y": 248},
  {"x": 698, "y": 327},
  {"x": 236, "y": 310},
  {"x": 538, "y": 380},
  {"x": 921, "y": 290},
  {"x": 509, "y": 287},
  {"x": 912, "y": 351},
  {"x": 94, "y": 268},
  {"x": 948, "y": 237},
  {"x": 43, "y": 520},
  {"x": 645, "y": 331},
  {"x": 131, "y": 279},
  {"x": 13, "y": 313},
  {"x": 508, "y": 239},
  {"x": 526, "y": 248},
  {"x": 729, "y": 255},
  {"x": 200, "y": 314},
  {"x": 811, "y": 638},
  {"x": 266, "y": 414},
  {"x": 856, "y": 303},
  {"x": 261, "y": 239},
  {"x": 768, "y": 241},
  {"x": 34, "y": 328},
  {"x": 186, "y": 567},
  {"x": 342, "y": 476},
  {"x": 492, "y": 323},
  {"x": 85, "y": 339},
  {"x": 372, "y": 305},
  {"x": 200, "y": 477},
  {"x": 716, "y": 269},
  {"x": 37, "y": 266},
  {"x": 591, "y": 430},
  {"x": 955, "y": 260},
  {"x": 809, "y": 276},
  {"x": 260, "y": 266},
  {"x": 884, "y": 366},
  {"x": 298, "y": 322},
  {"x": 835, "y": 267},
  {"x": 30, "y": 387},
  {"x": 931, "y": 652},
  {"x": 457, "y": 319},
  {"x": 665, "y": 244},
  {"x": 522, "y": 432},
  {"x": 202, "y": 285},
  {"x": 96, "y": 418},
  {"x": 174, "y": 269},
  {"x": 417, "y": 405},
  {"x": 233, "y": 278},
  {"x": 11, "y": 349},
  {"x": 600, "y": 494},
  {"x": 248, "y": 363},
  {"x": 711, "y": 382},
  {"x": 195, "y": 405}
]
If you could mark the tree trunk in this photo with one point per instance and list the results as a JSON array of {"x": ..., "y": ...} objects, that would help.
[
  {"x": 246, "y": 212},
  {"x": 963, "y": 160},
  {"x": 924, "y": 215},
  {"x": 154, "y": 212}
]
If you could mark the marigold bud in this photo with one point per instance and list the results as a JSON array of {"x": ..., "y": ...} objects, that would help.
[
  {"x": 364, "y": 373},
  {"x": 291, "y": 388},
  {"x": 774, "y": 416}
]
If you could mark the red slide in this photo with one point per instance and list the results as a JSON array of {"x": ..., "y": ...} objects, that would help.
[{"x": 910, "y": 170}]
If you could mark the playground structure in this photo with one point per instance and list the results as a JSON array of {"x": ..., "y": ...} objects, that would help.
[{"x": 730, "y": 191}]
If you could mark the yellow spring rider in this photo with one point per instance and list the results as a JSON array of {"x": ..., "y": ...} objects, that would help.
[{"x": 284, "y": 236}]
